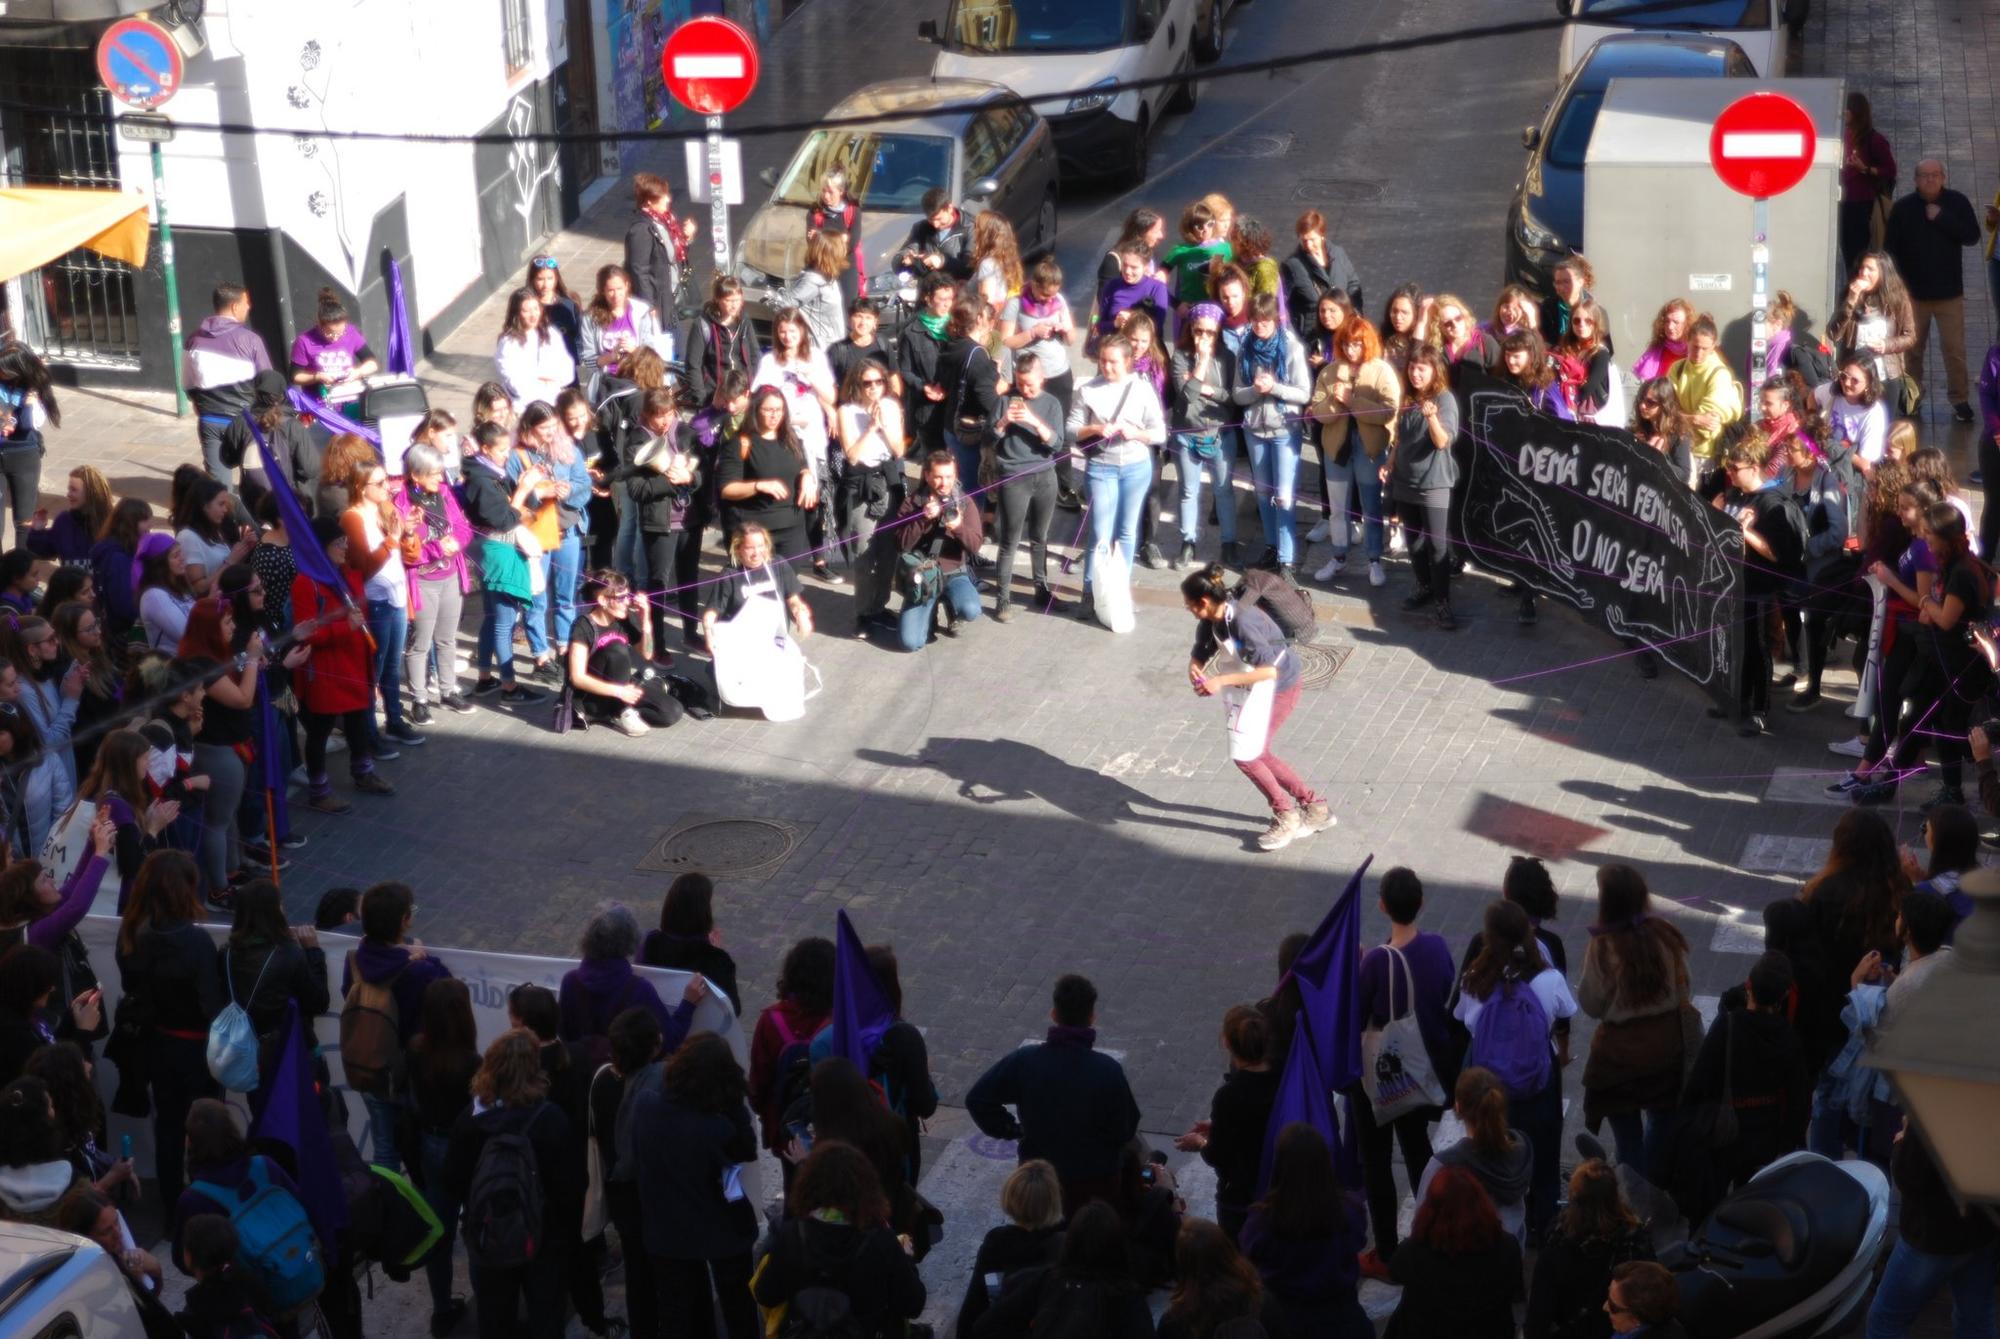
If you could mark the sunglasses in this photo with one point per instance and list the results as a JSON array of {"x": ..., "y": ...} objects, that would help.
[
  {"x": 543, "y": 262},
  {"x": 873, "y": 381},
  {"x": 1649, "y": 404}
]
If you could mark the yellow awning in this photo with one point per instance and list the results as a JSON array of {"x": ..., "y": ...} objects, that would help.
[{"x": 40, "y": 223}]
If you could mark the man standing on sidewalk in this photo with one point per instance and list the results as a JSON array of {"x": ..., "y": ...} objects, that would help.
[
  {"x": 1929, "y": 230},
  {"x": 220, "y": 368}
]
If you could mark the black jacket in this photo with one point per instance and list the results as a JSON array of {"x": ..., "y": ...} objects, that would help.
[
  {"x": 657, "y": 497},
  {"x": 1768, "y": 1080},
  {"x": 297, "y": 455},
  {"x": 680, "y": 954},
  {"x": 1042, "y": 1299},
  {"x": 953, "y": 243},
  {"x": 1003, "y": 1252},
  {"x": 682, "y": 1156},
  {"x": 655, "y": 273},
  {"x": 1571, "y": 1279},
  {"x": 1464, "y": 1296},
  {"x": 1306, "y": 281},
  {"x": 918, "y": 355},
  {"x": 967, "y": 373},
  {"x": 265, "y": 979},
  {"x": 1073, "y": 1103},
  {"x": 713, "y": 351},
  {"x": 1929, "y": 252},
  {"x": 174, "y": 968},
  {"x": 870, "y": 1267},
  {"x": 488, "y": 501},
  {"x": 1238, "y": 1115}
]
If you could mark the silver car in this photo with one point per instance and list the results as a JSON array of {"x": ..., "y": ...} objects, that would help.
[
  {"x": 56, "y": 1286},
  {"x": 976, "y": 139}
]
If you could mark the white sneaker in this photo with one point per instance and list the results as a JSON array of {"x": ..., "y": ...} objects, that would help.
[
  {"x": 1331, "y": 568},
  {"x": 1856, "y": 747},
  {"x": 1396, "y": 544},
  {"x": 336, "y": 743},
  {"x": 1376, "y": 576},
  {"x": 631, "y": 724},
  {"x": 1318, "y": 534}
]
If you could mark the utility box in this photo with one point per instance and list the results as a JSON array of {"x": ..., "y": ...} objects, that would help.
[{"x": 1660, "y": 224}]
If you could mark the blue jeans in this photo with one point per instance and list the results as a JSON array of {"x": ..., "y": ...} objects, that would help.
[
  {"x": 1118, "y": 495},
  {"x": 913, "y": 624},
  {"x": 1641, "y": 1149},
  {"x": 382, "y": 1118},
  {"x": 1364, "y": 476},
  {"x": 1274, "y": 466},
  {"x": 560, "y": 567},
  {"x": 628, "y": 546},
  {"x": 965, "y": 450},
  {"x": 1914, "y": 1277},
  {"x": 496, "y": 634},
  {"x": 437, "y": 1269},
  {"x": 1541, "y": 1119},
  {"x": 389, "y": 624},
  {"x": 1219, "y": 465}
]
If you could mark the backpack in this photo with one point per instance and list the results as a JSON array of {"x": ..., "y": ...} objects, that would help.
[
  {"x": 1812, "y": 359},
  {"x": 232, "y": 1041},
  {"x": 503, "y": 1207},
  {"x": 389, "y": 1222},
  {"x": 1070, "y": 1310},
  {"x": 820, "y": 1312},
  {"x": 1286, "y": 605},
  {"x": 1512, "y": 1039},
  {"x": 371, "y": 1035},
  {"x": 793, "y": 1072},
  {"x": 275, "y": 1245}
]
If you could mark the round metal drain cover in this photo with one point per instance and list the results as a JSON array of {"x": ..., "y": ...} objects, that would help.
[
  {"x": 727, "y": 846},
  {"x": 1318, "y": 664}
]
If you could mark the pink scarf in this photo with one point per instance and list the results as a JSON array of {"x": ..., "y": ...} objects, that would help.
[{"x": 1659, "y": 359}]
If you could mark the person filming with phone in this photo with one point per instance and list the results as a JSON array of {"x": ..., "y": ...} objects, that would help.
[{"x": 939, "y": 533}]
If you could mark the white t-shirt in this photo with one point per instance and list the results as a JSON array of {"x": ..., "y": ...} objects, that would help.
[
  {"x": 389, "y": 582},
  {"x": 1052, "y": 353},
  {"x": 1549, "y": 988},
  {"x": 800, "y": 384},
  {"x": 211, "y": 558},
  {"x": 875, "y": 451},
  {"x": 165, "y": 616}
]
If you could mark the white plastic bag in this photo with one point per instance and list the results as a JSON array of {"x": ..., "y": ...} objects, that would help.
[
  {"x": 1111, "y": 589},
  {"x": 1248, "y": 712}
]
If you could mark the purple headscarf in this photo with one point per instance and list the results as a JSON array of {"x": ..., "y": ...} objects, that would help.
[{"x": 150, "y": 543}]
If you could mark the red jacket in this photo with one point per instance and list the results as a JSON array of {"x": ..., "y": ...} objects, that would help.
[{"x": 341, "y": 674}]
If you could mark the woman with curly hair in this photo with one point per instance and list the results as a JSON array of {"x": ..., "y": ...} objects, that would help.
[
  {"x": 1596, "y": 1232},
  {"x": 837, "y": 1236},
  {"x": 1657, "y": 421},
  {"x": 996, "y": 257},
  {"x": 1669, "y": 341},
  {"x": 688, "y": 1134}
]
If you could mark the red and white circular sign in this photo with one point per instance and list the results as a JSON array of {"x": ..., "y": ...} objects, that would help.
[
  {"x": 1762, "y": 145},
  {"x": 709, "y": 65}
]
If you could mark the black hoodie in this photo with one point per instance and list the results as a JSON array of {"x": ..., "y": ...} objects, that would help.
[{"x": 878, "y": 1277}]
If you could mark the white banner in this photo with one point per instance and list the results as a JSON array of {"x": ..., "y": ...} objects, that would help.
[{"x": 487, "y": 976}]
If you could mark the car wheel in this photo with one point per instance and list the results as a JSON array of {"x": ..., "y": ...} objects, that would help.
[
  {"x": 1138, "y": 152},
  {"x": 1187, "y": 94},
  {"x": 1045, "y": 224},
  {"x": 1208, "y": 42}
]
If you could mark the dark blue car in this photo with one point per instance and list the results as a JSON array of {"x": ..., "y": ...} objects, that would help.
[{"x": 1545, "y": 222}]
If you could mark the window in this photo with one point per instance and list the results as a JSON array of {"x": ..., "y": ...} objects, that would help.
[
  {"x": 985, "y": 144},
  {"x": 517, "y": 31},
  {"x": 885, "y": 171},
  {"x": 991, "y": 26},
  {"x": 1015, "y": 123}
]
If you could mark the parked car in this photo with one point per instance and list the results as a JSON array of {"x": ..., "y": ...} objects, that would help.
[
  {"x": 1046, "y": 50},
  {"x": 1758, "y": 26},
  {"x": 56, "y": 1286},
  {"x": 1545, "y": 222},
  {"x": 976, "y": 139}
]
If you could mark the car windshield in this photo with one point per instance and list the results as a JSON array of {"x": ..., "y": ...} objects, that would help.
[
  {"x": 1036, "y": 25},
  {"x": 1571, "y": 138},
  {"x": 1706, "y": 14},
  {"x": 886, "y": 173}
]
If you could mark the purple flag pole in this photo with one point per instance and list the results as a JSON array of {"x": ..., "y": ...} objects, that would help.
[
  {"x": 861, "y": 1009},
  {"x": 402, "y": 351},
  {"x": 293, "y": 1117},
  {"x": 277, "y": 817}
]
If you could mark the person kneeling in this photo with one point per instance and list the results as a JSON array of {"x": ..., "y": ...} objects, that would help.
[
  {"x": 611, "y": 676},
  {"x": 939, "y": 534},
  {"x": 752, "y": 629}
]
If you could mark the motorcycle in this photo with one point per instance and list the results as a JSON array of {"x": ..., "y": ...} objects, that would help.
[{"x": 1789, "y": 1255}]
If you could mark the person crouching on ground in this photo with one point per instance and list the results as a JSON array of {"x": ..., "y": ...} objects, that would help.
[
  {"x": 1249, "y": 635},
  {"x": 610, "y": 659},
  {"x": 939, "y": 530}
]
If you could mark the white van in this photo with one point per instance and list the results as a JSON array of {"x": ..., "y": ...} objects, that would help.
[
  {"x": 1760, "y": 27},
  {"x": 1044, "y": 48}
]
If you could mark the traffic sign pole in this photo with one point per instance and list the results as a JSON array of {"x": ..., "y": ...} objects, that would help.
[
  {"x": 1760, "y": 287},
  {"x": 1760, "y": 146},
  {"x": 718, "y": 208},
  {"x": 173, "y": 283}
]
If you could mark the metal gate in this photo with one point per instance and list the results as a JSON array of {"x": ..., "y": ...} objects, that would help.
[{"x": 81, "y": 308}]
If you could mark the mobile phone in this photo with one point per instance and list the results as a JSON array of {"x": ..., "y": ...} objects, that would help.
[{"x": 801, "y": 1131}]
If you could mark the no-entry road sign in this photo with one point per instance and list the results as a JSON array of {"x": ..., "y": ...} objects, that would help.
[
  {"x": 709, "y": 65},
  {"x": 139, "y": 63},
  {"x": 1762, "y": 145}
]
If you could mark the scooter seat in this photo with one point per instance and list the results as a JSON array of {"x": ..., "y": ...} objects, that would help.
[
  {"x": 1778, "y": 1223},
  {"x": 1770, "y": 1245}
]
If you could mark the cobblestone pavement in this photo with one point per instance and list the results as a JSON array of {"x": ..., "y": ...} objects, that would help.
[{"x": 1044, "y": 797}]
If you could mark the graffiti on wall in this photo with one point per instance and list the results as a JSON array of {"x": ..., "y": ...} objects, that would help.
[
  {"x": 327, "y": 199},
  {"x": 638, "y": 30},
  {"x": 525, "y": 169}
]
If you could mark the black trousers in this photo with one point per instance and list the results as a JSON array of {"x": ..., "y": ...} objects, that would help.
[
  {"x": 687, "y": 1304},
  {"x": 1027, "y": 506},
  {"x": 1412, "y": 1132},
  {"x": 1429, "y": 546},
  {"x": 358, "y": 726},
  {"x": 1754, "y": 693},
  {"x": 620, "y": 663},
  {"x": 1989, "y": 471},
  {"x": 1853, "y": 233},
  {"x": 1064, "y": 389},
  {"x": 642, "y": 1302},
  {"x": 674, "y": 561}
]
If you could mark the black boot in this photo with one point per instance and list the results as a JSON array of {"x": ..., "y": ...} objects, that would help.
[
  {"x": 1446, "y": 620},
  {"x": 1417, "y": 598}
]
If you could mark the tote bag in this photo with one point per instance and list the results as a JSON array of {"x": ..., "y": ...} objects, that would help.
[
  {"x": 1396, "y": 1069},
  {"x": 1111, "y": 589}
]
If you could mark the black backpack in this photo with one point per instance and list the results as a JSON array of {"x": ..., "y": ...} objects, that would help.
[
  {"x": 820, "y": 1312},
  {"x": 1810, "y": 357},
  {"x": 1288, "y": 606},
  {"x": 503, "y": 1208}
]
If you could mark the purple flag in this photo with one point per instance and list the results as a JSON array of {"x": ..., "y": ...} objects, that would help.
[
  {"x": 307, "y": 555},
  {"x": 332, "y": 419},
  {"x": 273, "y": 759},
  {"x": 861, "y": 1010},
  {"x": 1328, "y": 970},
  {"x": 293, "y": 1117},
  {"x": 402, "y": 354},
  {"x": 1302, "y": 1096}
]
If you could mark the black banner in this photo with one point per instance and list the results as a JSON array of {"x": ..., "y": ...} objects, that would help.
[{"x": 1592, "y": 517}]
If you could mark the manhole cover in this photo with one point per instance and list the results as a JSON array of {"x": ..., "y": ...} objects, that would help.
[
  {"x": 724, "y": 846},
  {"x": 1255, "y": 145},
  {"x": 1318, "y": 664},
  {"x": 1344, "y": 190}
]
